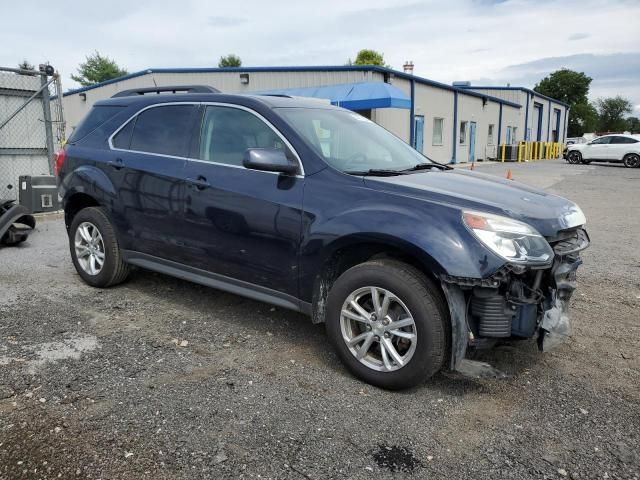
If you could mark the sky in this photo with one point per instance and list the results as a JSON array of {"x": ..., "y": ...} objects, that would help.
[{"x": 486, "y": 42}]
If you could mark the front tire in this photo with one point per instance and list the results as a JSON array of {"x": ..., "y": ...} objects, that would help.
[
  {"x": 574, "y": 157},
  {"x": 94, "y": 249},
  {"x": 389, "y": 324},
  {"x": 631, "y": 160}
]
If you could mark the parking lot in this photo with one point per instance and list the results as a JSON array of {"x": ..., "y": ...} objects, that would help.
[{"x": 159, "y": 378}]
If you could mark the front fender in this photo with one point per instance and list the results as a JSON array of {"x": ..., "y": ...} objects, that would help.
[{"x": 431, "y": 232}]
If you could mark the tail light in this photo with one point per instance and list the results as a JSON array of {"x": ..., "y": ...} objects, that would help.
[{"x": 59, "y": 160}]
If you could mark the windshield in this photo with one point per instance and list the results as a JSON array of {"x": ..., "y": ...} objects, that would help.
[{"x": 351, "y": 143}]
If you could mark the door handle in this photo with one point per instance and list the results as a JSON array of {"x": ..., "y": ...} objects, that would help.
[
  {"x": 117, "y": 163},
  {"x": 199, "y": 183}
]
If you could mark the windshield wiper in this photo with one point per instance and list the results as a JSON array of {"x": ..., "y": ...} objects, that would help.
[
  {"x": 427, "y": 166},
  {"x": 375, "y": 172}
]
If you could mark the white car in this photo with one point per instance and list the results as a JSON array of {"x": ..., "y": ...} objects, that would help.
[{"x": 619, "y": 148}]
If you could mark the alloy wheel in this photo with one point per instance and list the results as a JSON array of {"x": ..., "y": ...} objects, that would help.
[
  {"x": 89, "y": 248},
  {"x": 632, "y": 161},
  {"x": 574, "y": 157},
  {"x": 378, "y": 329}
]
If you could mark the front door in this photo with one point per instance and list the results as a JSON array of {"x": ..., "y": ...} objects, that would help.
[
  {"x": 419, "y": 133},
  {"x": 242, "y": 223},
  {"x": 148, "y": 156},
  {"x": 598, "y": 149},
  {"x": 472, "y": 142}
]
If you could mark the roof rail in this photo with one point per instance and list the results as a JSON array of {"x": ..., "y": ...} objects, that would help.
[
  {"x": 283, "y": 95},
  {"x": 169, "y": 89}
]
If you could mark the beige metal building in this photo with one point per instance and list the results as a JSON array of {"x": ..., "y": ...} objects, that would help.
[{"x": 449, "y": 123}]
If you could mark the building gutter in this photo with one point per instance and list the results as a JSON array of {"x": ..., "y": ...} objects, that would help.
[{"x": 454, "y": 153}]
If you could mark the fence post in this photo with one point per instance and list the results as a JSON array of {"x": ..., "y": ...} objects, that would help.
[{"x": 48, "y": 124}]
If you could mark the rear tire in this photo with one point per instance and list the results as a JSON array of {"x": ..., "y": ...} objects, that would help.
[
  {"x": 413, "y": 351},
  {"x": 631, "y": 160},
  {"x": 92, "y": 240},
  {"x": 574, "y": 157}
]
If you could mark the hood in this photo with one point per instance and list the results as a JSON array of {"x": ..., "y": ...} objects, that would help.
[{"x": 466, "y": 189}]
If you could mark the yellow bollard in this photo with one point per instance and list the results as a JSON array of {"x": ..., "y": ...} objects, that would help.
[
  {"x": 504, "y": 148},
  {"x": 520, "y": 145},
  {"x": 535, "y": 150}
]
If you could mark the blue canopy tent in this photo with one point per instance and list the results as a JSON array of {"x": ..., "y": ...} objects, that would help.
[{"x": 352, "y": 96}]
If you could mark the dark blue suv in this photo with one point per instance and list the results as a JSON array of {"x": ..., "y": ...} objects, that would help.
[{"x": 294, "y": 202}]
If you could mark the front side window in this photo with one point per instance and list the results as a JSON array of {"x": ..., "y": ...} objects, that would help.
[
  {"x": 463, "y": 132},
  {"x": 438, "y": 127},
  {"x": 349, "y": 142},
  {"x": 228, "y": 132},
  {"x": 490, "y": 135},
  {"x": 601, "y": 141},
  {"x": 165, "y": 130}
]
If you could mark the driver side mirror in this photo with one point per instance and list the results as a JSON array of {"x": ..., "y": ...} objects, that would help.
[{"x": 268, "y": 160}]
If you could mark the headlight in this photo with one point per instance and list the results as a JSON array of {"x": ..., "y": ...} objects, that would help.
[{"x": 514, "y": 241}]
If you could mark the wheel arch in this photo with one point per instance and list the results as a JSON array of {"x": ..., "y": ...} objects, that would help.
[
  {"x": 75, "y": 202},
  {"x": 355, "y": 249}
]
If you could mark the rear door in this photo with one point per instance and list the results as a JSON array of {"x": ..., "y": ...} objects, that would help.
[
  {"x": 620, "y": 146},
  {"x": 242, "y": 223},
  {"x": 149, "y": 155}
]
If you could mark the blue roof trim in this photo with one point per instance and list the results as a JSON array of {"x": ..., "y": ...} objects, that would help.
[
  {"x": 524, "y": 89},
  {"x": 314, "y": 68},
  {"x": 353, "y": 96}
]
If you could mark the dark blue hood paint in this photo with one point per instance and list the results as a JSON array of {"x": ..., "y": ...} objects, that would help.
[{"x": 477, "y": 191}]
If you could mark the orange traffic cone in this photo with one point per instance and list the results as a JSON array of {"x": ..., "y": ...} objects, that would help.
[
  {"x": 473, "y": 166},
  {"x": 509, "y": 175}
]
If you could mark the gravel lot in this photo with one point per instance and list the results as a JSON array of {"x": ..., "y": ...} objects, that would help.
[{"x": 159, "y": 378}]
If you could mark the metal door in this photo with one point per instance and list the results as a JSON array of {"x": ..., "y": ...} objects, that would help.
[{"x": 419, "y": 133}]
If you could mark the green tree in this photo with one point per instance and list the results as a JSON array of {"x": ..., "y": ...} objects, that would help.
[
  {"x": 368, "y": 57},
  {"x": 97, "y": 68},
  {"x": 230, "y": 60},
  {"x": 571, "y": 87},
  {"x": 25, "y": 65},
  {"x": 612, "y": 112},
  {"x": 633, "y": 124},
  {"x": 583, "y": 118}
]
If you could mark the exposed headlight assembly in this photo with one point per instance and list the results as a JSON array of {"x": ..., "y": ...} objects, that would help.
[{"x": 512, "y": 240}]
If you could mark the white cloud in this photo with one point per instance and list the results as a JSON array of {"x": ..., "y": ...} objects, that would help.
[{"x": 447, "y": 41}]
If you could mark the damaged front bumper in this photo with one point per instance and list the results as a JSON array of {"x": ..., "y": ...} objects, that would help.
[{"x": 516, "y": 302}]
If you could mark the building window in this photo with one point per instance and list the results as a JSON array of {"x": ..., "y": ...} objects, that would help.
[
  {"x": 508, "y": 136},
  {"x": 490, "y": 136},
  {"x": 463, "y": 132},
  {"x": 514, "y": 131},
  {"x": 438, "y": 128}
]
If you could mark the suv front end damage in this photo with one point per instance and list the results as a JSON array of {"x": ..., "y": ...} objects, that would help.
[{"x": 517, "y": 301}]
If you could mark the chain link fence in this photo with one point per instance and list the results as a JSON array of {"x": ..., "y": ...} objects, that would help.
[{"x": 32, "y": 125}]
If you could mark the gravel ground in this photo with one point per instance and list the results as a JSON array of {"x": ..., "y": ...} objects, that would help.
[{"x": 159, "y": 378}]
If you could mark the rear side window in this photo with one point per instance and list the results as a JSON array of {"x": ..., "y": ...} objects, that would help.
[
  {"x": 94, "y": 119},
  {"x": 165, "y": 130},
  {"x": 619, "y": 140},
  {"x": 123, "y": 137}
]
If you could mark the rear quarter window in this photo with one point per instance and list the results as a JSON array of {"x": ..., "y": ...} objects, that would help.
[{"x": 94, "y": 119}]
